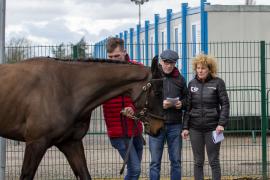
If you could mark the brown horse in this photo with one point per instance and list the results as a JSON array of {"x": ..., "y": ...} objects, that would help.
[{"x": 47, "y": 103}]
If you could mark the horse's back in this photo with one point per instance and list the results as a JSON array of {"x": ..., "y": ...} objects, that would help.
[
  {"x": 46, "y": 97},
  {"x": 24, "y": 94}
]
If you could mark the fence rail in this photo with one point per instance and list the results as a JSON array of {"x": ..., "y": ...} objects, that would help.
[{"x": 244, "y": 150}]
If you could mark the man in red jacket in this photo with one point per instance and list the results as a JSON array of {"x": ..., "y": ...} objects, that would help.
[{"x": 119, "y": 128}]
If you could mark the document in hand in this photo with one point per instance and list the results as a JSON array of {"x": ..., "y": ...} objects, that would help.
[
  {"x": 173, "y": 100},
  {"x": 217, "y": 137}
]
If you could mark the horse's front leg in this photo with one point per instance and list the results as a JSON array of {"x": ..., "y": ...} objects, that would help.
[
  {"x": 34, "y": 151},
  {"x": 74, "y": 153}
]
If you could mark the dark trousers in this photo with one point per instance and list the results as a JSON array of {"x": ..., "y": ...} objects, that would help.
[{"x": 200, "y": 140}]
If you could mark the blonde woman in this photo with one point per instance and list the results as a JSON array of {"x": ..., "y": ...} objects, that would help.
[{"x": 207, "y": 111}]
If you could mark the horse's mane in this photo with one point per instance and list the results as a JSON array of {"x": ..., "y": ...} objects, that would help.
[{"x": 76, "y": 61}]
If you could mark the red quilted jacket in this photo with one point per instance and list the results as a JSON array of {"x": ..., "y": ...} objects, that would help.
[{"x": 111, "y": 111}]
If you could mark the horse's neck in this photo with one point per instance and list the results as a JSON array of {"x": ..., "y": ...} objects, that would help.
[{"x": 98, "y": 83}]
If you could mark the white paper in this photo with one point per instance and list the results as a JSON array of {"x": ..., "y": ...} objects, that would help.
[
  {"x": 217, "y": 137},
  {"x": 173, "y": 100}
]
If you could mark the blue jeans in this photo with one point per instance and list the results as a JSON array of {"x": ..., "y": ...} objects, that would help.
[
  {"x": 135, "y": 156},
  {"x": 171, "y": 134}
]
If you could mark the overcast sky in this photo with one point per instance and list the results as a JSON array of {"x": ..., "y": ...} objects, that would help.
[{"x": 56, "y": 21}]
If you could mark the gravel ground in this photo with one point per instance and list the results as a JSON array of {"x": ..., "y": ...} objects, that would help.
[{"x": 240, "y": 156}]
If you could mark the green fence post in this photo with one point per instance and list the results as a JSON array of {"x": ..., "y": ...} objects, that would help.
[
  {"x": 75, "y": 52},
  {"x": 267, "y": 110},
  {"x": 263, "y": 111}
]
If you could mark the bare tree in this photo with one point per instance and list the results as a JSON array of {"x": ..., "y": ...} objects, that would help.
[
  {"x": 60, "y": 52},
  {"x": 17, "y": 49}
]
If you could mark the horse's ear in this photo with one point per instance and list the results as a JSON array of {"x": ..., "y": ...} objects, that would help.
[
  {"x": 156, "y": 73},
  {"x": 154, "y": 64}
]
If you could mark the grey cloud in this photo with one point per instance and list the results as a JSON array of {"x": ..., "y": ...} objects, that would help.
[
  {"x": 108, "y": 11},
  {"x": 29, "y": 13},
  {"x": 104, "y": 2},
  {"x": 94, "y": 9},
  {"x": 21, "y": 12},
  {"x": 55, "y": 31}
]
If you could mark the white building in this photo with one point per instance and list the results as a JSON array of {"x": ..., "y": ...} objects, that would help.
[{"x": 232, "y": 33}]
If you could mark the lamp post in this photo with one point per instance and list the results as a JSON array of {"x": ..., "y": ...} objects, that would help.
[{"x": 139, "y": 2}]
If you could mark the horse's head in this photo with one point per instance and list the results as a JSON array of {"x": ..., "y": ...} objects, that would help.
[{"x": 149, "y": 101}]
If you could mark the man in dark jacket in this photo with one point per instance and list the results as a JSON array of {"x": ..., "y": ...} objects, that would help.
[
  {"x": 174, "y": 100},
  {"x": 119, "y": 128}
]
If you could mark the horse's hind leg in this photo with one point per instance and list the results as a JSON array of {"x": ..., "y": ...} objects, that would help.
[
  {"x": 34, "y": 151},
  {"x": 74, "y": 153}
]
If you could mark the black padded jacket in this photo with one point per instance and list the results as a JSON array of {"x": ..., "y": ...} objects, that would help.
[
  {"x": 207, "y": 104},
  {"x": 174, "y": 85}
]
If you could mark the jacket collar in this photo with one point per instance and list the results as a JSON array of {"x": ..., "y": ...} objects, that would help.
[
  {"x": 127, "y": 58},
  {"x": 209, "y": 77},
  {"x": 175, "y": 72}
]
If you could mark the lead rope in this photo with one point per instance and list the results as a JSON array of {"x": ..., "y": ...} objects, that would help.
[
  {"x": 129, "y": 145},
  {"x": 135, "y": 125}
]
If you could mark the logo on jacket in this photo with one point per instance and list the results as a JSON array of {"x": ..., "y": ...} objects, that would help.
[{"x": 194, "y": 89}]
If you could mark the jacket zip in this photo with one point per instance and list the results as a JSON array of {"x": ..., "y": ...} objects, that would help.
[{"x": 202, "y": 106}]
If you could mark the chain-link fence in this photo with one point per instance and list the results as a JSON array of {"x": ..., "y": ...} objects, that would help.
[{"x": 246, "y": 145}]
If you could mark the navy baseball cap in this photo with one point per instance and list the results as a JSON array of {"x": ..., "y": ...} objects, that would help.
[{"x": 169, "y": 55}]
